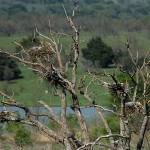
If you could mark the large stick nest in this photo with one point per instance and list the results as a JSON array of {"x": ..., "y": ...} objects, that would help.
[
  {"x": 40, "y": 52},
  {"x": 44, "y": 55},
  {"x": 47, "y": 57},
  {"x": 8, "y": 116}
]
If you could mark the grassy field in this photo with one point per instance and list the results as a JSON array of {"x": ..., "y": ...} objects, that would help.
[
  {"x": 139, "y": 41},
  {"x": 30, "y": 89},
  {"x": 7, "y": 44}
]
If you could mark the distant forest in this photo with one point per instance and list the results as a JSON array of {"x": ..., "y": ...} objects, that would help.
[{"x": 107, "y": 16}]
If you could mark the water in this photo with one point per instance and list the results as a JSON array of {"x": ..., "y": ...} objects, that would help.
[{"x": 88, "y": 113}]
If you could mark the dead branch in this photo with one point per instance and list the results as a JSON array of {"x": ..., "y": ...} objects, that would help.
[{"x": 92, "y": 144}]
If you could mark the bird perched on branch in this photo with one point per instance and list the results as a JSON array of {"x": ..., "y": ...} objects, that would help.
[
  {"x": 116, "y": 86},
  {"x": 131, "y": 107},
  {"x": 120, "y": 87}
]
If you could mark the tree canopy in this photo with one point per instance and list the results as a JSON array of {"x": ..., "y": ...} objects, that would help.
[
  {"x": 8, "y": 68},
  {"x": 100, "y": 54}
]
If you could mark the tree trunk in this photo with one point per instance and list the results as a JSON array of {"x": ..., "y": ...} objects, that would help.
[
  {"x": 142, "y": 133},
  {"x": 81, "y": 119}
]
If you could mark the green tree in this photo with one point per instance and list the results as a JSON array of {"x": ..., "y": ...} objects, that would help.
[
  {"x": 8, "y": 68},
  {"x": 16, "y": 8},
  {"x": 22, "y": 135},
  {"x": 13, "y": 127},
  {"x": 100, "y": 54},
  {"x": 113, "y": 123},
  {"x": 23, "y": 138}
]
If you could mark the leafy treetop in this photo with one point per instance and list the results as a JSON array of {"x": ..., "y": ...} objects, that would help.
[{"x": 100, "y": 54}]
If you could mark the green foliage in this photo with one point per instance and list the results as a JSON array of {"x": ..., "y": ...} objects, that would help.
[
  {"x": 54, "y": 126},
  {"x": 6, "y": 146},
  {"x": 17, "y": 19},
  {"x": 51, "y": 1},
  {"x": 23, "y": 138},
  {"x": 8, "y": 68},
  {"x": 16, "y": 9},
  {"x": 113, "y": 123},
  {"x": 14, "y": 127},
  {"x": 71, "y": 120},
  {"x": 123, "y": 78},
  {"x": 100, "y": 54},
  {"x": 96, "y": 132},
  {"x": 28, "y": 43},
  {"x": 130, "y": 8},
  {"x": 91, "y": 2},
  {"x": 22, "y": 135},
  {"x": 1, "y": 136}
]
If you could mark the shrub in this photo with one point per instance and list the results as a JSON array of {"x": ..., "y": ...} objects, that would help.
[
  {"x": 23, "y": 138},
  {"x": 8, "y": 68},
  {"x": 14, "y": 127},
  {"x": 96, "y": 132},
  {"x": 22, "y": 135},
  {"x": 98, "y": 53},
  {"x": 17, "y": 8},
  {"x": 113, "y": 123}
]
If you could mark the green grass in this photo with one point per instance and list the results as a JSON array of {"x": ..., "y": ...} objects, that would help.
[
  {"x": 139, "y": 41},
  {"x": 7, "y": 44},
  {"x": 31, "y": 88}
]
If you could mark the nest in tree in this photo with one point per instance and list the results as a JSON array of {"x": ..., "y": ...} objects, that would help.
[
  {"x": 54, "y": 78},
  {"x": 116, "y": 86},
  {"x": 44, "y": 52},
  {"x": 48, "y": 58},
  {"x": 131, "y": 107},
  {"x": 8, "y": 116},
  {"x": 120, "y": 87}
]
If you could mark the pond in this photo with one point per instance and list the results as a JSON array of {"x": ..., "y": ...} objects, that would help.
[{"x": 88, "y": 113}]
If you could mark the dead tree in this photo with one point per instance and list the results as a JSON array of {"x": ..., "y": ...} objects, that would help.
[{"x": 46, "y": 61}]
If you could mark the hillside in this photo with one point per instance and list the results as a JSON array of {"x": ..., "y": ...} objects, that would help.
[
  {"x": 111, "y": 8},
  {"x": 20, "y": 16}
]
